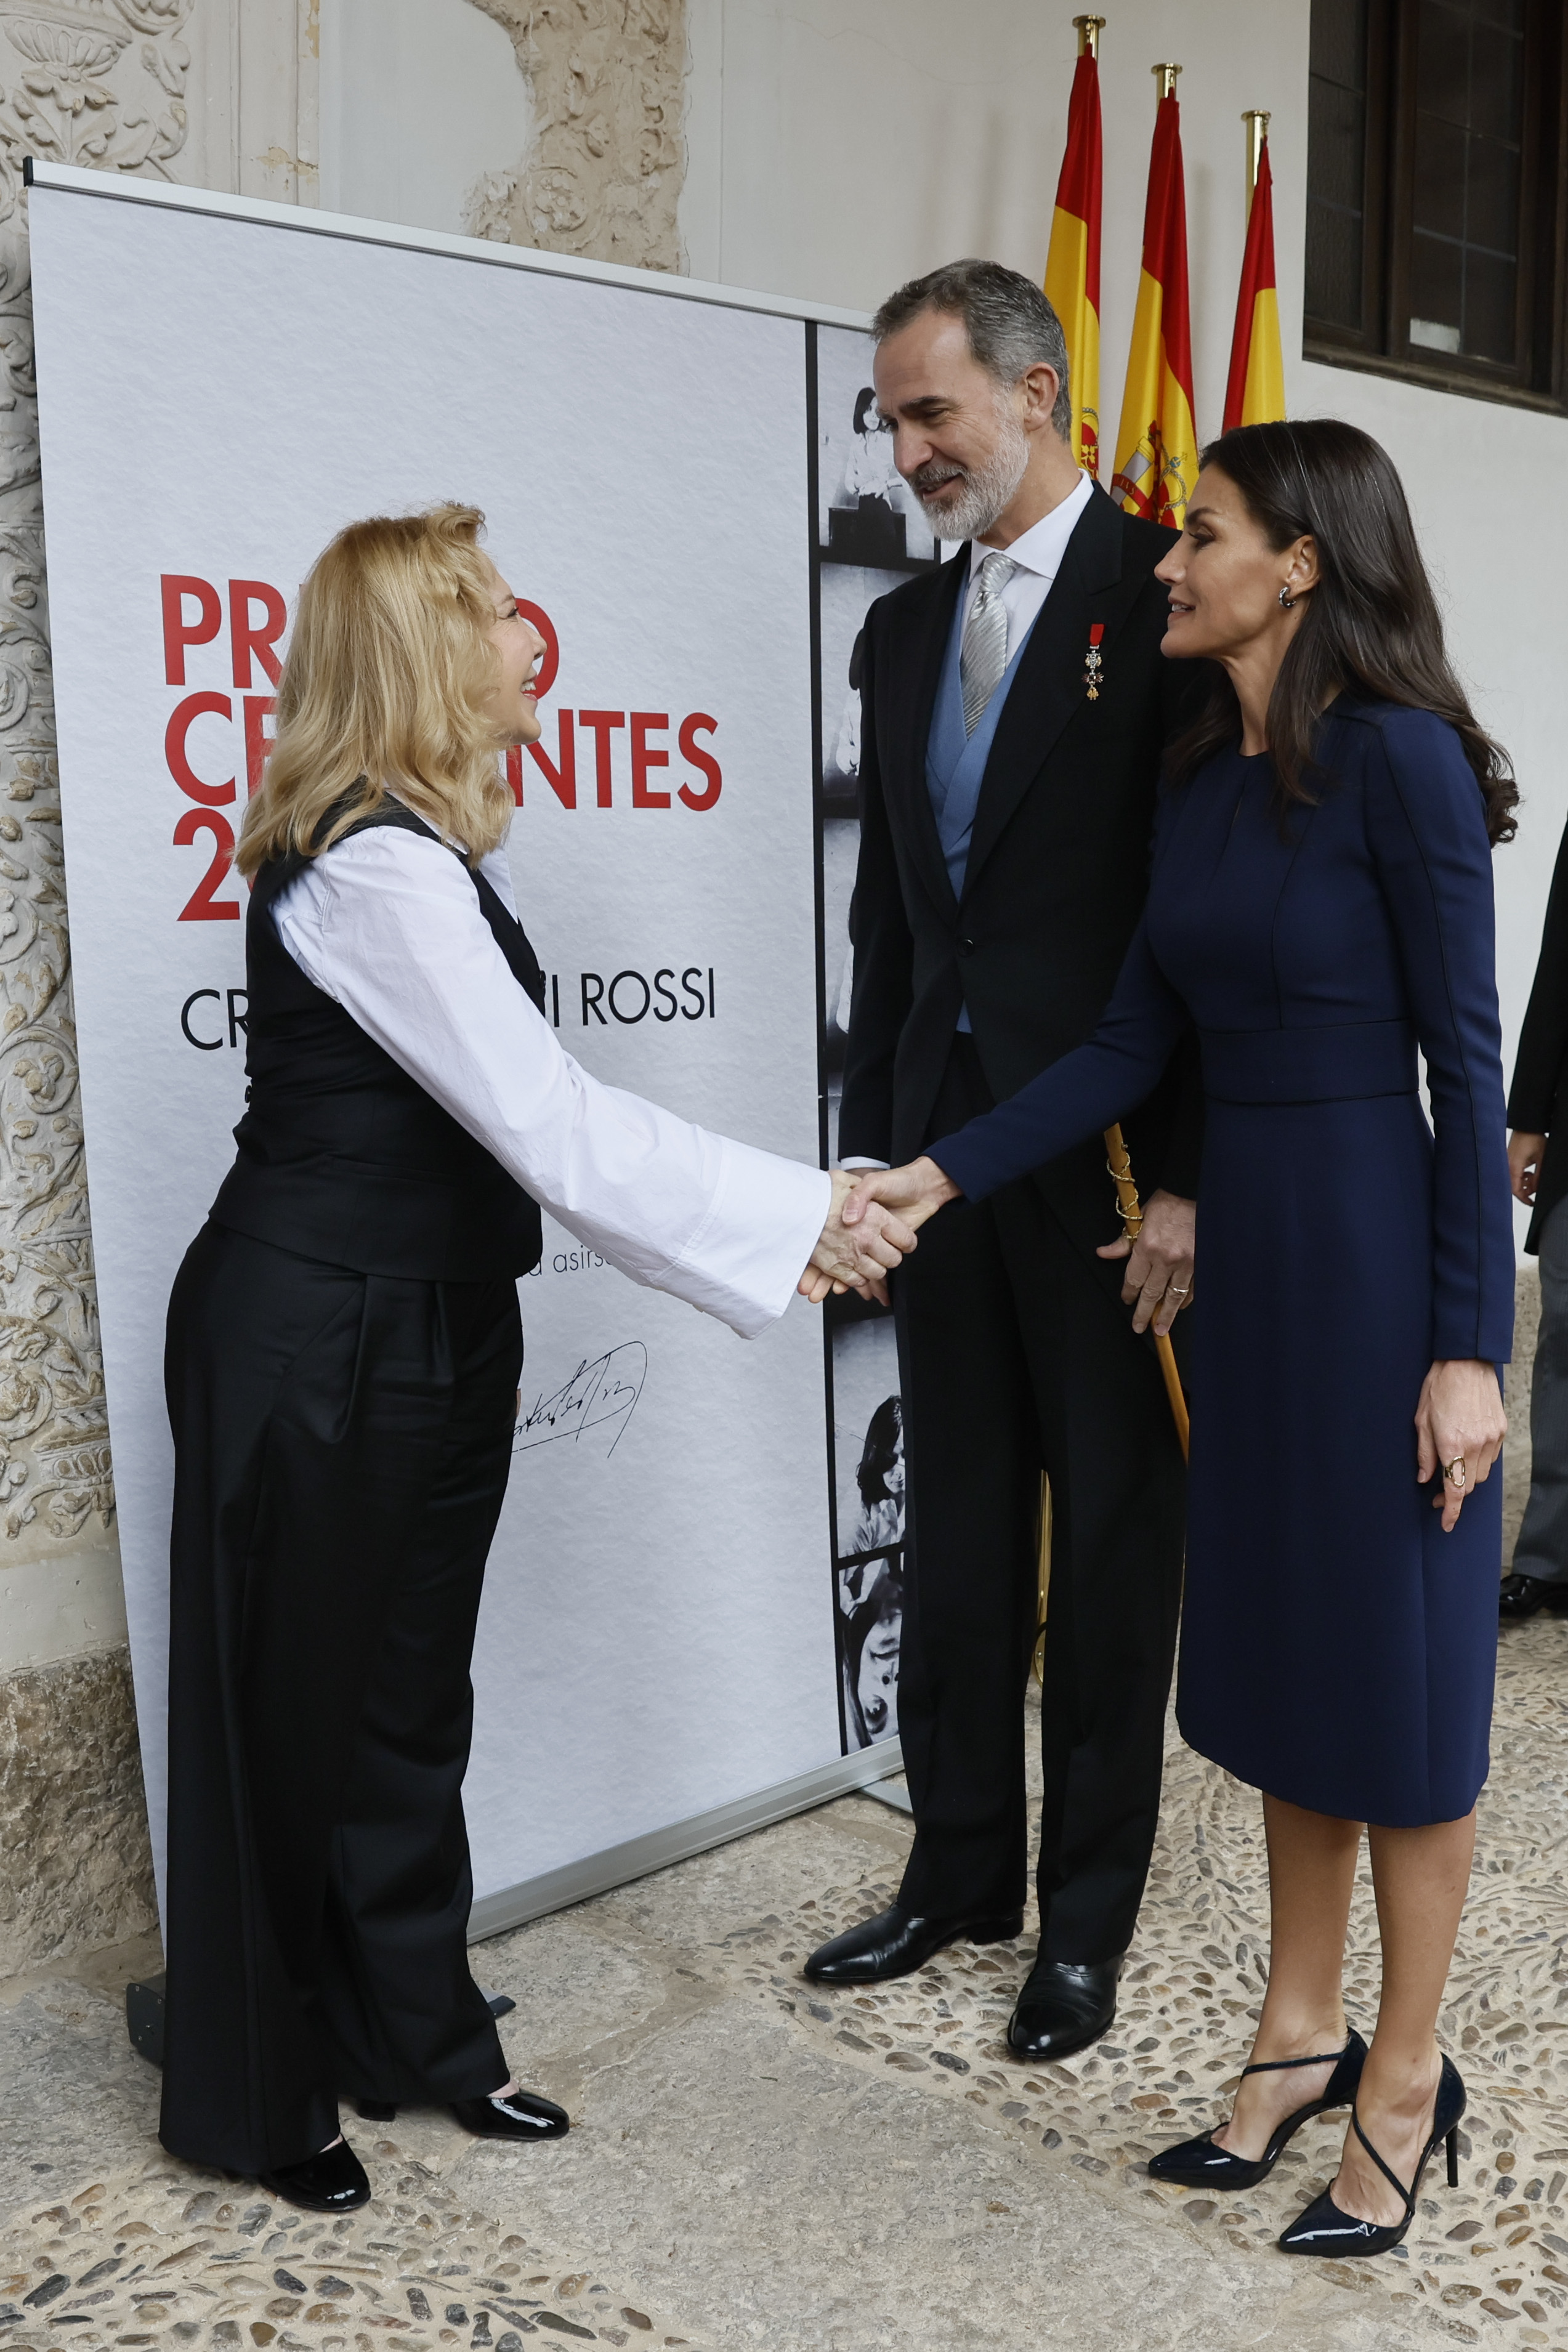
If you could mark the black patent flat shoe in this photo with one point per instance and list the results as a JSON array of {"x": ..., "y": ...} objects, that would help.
[
  {"x": 513, "y": 2115},
  {"x": 1199, "y": 2164},
  {"x": 1322, "y": 2228},
  {"x": 331, "y": 2181},
  {"x": 895, "y": 1943}
]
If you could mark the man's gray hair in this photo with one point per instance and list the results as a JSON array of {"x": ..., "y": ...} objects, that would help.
[{"x": 1010, "y": 325}]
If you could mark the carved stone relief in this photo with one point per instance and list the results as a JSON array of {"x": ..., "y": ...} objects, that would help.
[
  {"x": 603, "y": 177},
  {"x": 99, "y": 82}
]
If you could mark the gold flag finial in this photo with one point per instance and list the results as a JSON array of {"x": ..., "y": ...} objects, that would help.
[
  {"x": 1255, "y": 119},
  {"x": 1089, "y": 30},
  {"x": 1167, "y": 78}
]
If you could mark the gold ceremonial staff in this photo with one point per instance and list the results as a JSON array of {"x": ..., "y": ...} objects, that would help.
[{"x": 1120, "y": 1169}]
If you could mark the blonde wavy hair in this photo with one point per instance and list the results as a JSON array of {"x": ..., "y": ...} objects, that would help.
[{"x": 385, "y": 685}]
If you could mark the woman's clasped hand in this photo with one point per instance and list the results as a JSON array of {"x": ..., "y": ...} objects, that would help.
[{"x": 859, "y": 1260}]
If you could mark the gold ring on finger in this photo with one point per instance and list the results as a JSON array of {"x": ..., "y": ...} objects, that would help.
[{"x": 1454, "y": 1471}]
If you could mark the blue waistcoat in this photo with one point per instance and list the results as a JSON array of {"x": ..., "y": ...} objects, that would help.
[{"x": 955, "y": 765}]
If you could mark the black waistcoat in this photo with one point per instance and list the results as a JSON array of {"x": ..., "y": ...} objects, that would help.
[{"x": 344, "y": 1157}]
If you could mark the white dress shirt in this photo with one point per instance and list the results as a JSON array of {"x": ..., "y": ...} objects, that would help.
[
  {"x": 1037, "y": 554},
  {"x": 388, "y": 924}
]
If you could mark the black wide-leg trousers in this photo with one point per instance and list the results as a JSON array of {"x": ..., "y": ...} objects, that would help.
[
  {"x": 342, "y": 1443},
  {"x": 1016, "y": 1356}
]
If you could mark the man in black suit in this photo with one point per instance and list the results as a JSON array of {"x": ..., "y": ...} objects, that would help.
[
  {"x": 1537, "y": 1164},
  {"x": 1008, "y": 780}
]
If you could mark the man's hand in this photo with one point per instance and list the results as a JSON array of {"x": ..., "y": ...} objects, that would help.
[
  {"x": 1160, "y": 1262},
  {"x": 1526, "y": 1162},
  {"x": 861, "y": 1260}
]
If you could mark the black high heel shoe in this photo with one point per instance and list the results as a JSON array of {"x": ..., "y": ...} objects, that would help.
[
  {"x": 1199, "y": 2164},
  {"x": 1322, "y": 2228}
]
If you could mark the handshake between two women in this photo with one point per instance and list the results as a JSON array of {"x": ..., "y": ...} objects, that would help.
[{"x": 872, "y": 1227}]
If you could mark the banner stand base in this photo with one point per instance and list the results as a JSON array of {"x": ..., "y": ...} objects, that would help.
[{"x": 555, "y": 1890}]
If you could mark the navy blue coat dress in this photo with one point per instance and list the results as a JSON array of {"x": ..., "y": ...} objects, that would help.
[{"x": 1337, "y": 1648}]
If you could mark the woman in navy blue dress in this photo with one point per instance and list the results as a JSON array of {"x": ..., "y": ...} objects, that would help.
[{"x": 1321, "y": 909}]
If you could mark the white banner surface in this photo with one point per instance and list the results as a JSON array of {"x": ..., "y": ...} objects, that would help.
[{"x": 658, "y": 1632}]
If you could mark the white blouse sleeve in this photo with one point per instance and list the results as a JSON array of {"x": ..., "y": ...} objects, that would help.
[{"x": 387, "y": 924}]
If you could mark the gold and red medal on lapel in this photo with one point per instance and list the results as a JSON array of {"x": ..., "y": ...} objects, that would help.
[{"x": 1091, "y": 660}]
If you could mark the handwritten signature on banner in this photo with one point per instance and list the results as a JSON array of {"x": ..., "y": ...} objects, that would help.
[{"x": 599, "y": 1398}]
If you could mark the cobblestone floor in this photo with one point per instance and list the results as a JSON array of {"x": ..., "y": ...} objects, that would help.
[
  {"x": 1491, "y": 2255},
  {"x": 756, "y": 2163},
  {"x": 176, "y": 2258}
]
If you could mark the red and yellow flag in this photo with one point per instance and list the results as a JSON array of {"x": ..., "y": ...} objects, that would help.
[
  {"x": 1157, "y": 446},
  {"x": 1072, "y": 263},
  {"x": 1254, "y": 394}
]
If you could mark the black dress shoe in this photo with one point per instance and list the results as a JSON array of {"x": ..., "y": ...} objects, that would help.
[
  {"x": 895, "y": 1943},
  {"x": 1199, "y": 2164},
  {"x": 513, "y": 2115},
  {"x": 1064, "y": 2005},
  {"x": 1523, "y": 1596},
  {"x": 1322, "y": 2228},
  {"x": 375, "y": 2110},
  {"x": 330, "y": 2182}
]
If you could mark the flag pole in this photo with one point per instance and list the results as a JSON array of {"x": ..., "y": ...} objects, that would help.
[
  {"x": 1119, "y": 1168},
  {"x": 1255, "y": 119},
  {"x": 1255, "y": 387},
  {"x": 1072, "y": 283},
  {"x": 1072, "y": 258}
]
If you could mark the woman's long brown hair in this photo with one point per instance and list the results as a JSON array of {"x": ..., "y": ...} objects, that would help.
[{"x": 1371, "y": 624}]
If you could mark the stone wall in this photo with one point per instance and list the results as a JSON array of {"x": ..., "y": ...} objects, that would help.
[
  {"x": 86, "y": 82},
  {"x": 72, "y": 1822},
  {"x": 603, "y": 178},
  {"x": 220, "y": 92}
]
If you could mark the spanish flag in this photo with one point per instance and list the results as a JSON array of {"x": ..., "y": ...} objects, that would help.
[
  {"x": 1254, "y": 394},
  {"x": 1157, "y": 446},
  {"x": 1072, "y": 263}
]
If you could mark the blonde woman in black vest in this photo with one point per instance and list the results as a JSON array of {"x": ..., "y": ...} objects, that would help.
[{"x": 343, "y": 1353}]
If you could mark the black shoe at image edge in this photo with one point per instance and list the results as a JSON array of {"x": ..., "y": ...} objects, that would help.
[
  {"x": 1064, "y": 2005},
  {"x": 895, "y": 1943},
  {"x": 513, "y": 2115},
  {"x": 1520, "y": 1596},
  {"x": 1199, "y": 2164},
  {"x": 331, "y": 2181},
  {"x": 1323, "y": 2230}
]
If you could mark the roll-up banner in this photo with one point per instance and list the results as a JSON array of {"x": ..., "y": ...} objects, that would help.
[{"x": 694, "y": 1605}]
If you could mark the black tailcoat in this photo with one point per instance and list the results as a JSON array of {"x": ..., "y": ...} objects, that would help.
[{"x": 1016, "y": 1352}]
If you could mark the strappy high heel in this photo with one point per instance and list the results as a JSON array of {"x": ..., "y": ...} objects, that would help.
[
  {"x": 1322, "y": 2228},
  {"x": 1200, "y": 2164}
]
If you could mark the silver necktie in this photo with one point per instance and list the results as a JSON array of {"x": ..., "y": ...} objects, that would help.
[{"x": 983, "y": 654}]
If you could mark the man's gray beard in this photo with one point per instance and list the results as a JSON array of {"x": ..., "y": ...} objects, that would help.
[{"x": 988, "y": 490}]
